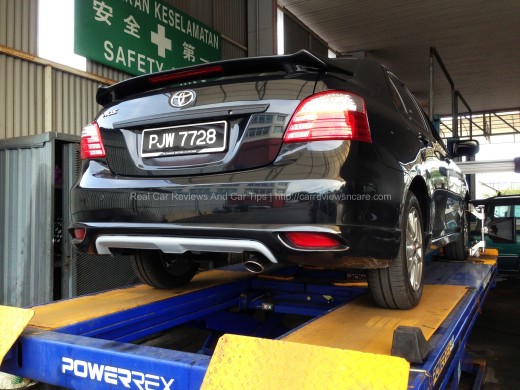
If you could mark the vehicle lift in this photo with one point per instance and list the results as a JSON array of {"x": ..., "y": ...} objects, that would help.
[{"x": 338, "y": 339}]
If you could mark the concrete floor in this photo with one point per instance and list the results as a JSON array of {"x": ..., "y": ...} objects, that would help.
[{"x": 495, "y": 337}]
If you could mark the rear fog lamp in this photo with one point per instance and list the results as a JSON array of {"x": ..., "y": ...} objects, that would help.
[
  {"x": 79, "y": 234},
  {"x": 312, "y": 240}
]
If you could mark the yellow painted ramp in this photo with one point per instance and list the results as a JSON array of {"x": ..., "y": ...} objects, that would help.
[
  {"x": 488, "y": 257},
  {"x": 62, "y": 313},
  {"x": 13, "y": 321},
  {"x": 241, "y": 363},
  {"x": 361, "y": 326}
]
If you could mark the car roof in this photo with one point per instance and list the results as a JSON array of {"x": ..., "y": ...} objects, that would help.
[{"x": 498, "y": 200}]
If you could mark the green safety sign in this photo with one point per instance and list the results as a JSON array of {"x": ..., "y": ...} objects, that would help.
[{"x": 141, "y": 36}]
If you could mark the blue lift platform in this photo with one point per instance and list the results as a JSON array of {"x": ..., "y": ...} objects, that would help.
[{"x": 293, "y": 328}]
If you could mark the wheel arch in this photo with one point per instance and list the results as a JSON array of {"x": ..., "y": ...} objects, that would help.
[{"x": 418, "y": 187}]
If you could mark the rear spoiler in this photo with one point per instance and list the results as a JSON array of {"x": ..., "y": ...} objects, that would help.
[{"x": 291, "y": 63}]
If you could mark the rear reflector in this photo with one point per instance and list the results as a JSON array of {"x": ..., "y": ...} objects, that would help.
[
  {"x": 329, "y": 115},
  {"x": 187, "y": 74},
  {"x": 91, "y": 144},
  {"x": 79, "y": 234},
  {"x": 312, "y": 240}
]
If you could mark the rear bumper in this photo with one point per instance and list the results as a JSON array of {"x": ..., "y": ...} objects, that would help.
[
  {"x": 373, "y": 248},
  {"x": 256, "y": 205}
]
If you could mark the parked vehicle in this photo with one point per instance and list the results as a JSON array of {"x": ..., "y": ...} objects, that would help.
[
  {"x": 502, "y": 221},
  {"x": 285, "y": 159}
]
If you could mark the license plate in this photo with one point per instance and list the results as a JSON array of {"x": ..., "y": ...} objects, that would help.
[{"x": 208, "y": 137}]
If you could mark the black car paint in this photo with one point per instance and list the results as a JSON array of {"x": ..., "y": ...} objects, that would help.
[{"x": 126, "y": 194}]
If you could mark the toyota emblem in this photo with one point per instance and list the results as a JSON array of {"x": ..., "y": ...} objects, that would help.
[{"x": 183, "y": 98}]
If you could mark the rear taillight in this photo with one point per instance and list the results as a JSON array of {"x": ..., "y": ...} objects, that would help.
[
  {"x": 91, "y": 142},
  {"x": 329, "y": 115},
  {"x": 312, "y": 240}
]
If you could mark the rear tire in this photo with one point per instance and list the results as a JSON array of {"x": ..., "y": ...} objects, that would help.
[
  {"x": 164, "y": 270},
  {"x": 457, "y": 250},
  {"x": 400, "y": 285}
]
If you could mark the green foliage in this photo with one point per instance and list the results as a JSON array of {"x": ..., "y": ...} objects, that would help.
[{"x": 511, "y": 191}]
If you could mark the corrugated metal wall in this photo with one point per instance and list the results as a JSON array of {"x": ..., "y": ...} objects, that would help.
[
  {"x": 105, "y": 71},
  {"x": 228, "y": 17},
  {"x": 26, "y": 225},
  {"x": 18, "y": 25},
  {"x": 74, "y": 103},
  {"x": 37, "y": 96},
  {"x": 19, "y": 80},
  {"x": 21, "y": 97},
  {"x": 28, "y": 107},
  {"x": 298, "y": 37},
  {"x": 34, "y": 100}
]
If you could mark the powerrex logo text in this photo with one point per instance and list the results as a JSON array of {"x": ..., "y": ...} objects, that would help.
[{"x": 115, "y": 376}]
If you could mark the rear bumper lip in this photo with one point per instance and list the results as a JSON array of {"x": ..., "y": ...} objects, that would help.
[{"x": 104, "y": 244}]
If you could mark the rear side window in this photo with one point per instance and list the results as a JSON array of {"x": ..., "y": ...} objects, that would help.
[
  {"x": 405, "y": 102},
  {"x": 507, "y": 211}
]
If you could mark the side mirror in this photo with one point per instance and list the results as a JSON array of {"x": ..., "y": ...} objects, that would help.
[{"x": 459, "y": 148}]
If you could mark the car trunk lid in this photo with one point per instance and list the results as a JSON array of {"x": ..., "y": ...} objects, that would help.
[{"x": 234, "y": 120}]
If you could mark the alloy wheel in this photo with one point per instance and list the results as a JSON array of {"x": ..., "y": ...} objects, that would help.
[{"x": 414, "y": 249}]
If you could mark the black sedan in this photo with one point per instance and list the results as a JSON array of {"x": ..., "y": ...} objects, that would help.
[{"x": 283, "y": 159}]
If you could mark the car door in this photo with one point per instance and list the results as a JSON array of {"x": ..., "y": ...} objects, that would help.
[
  {"x": 504, "y": 235},
  {"x": 444, "y": 180},
  {"x": 452, "y": 198}
]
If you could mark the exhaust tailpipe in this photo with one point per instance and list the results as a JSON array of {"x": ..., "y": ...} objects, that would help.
[{"x": 257, "y": 265}]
